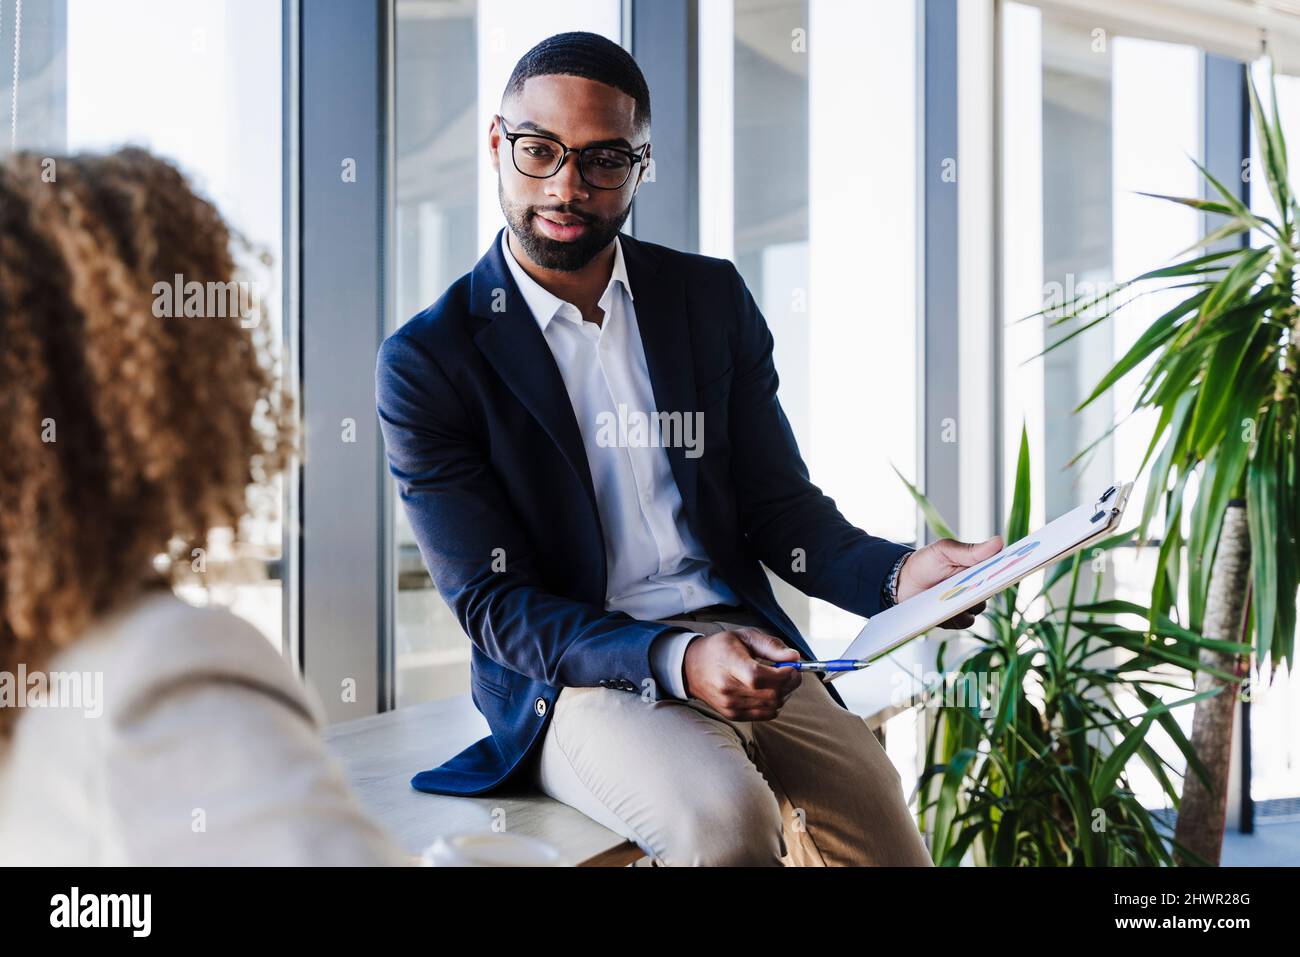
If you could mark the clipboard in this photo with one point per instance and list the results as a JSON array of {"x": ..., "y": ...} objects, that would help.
[{"x": 1072, "y": 532}]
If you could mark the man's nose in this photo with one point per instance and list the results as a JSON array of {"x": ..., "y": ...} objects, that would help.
[{"x": 567, "y": 183}]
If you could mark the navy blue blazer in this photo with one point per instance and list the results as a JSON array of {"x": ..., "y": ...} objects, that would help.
[{"x": 485, "y": 447}]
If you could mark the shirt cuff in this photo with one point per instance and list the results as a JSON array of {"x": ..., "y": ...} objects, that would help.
[{"x": 667, "y": 658}]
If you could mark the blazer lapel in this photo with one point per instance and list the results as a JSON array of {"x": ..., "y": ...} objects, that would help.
[
  {"x": 516, "y": 348},
  {"x": 666, "y": 338}
]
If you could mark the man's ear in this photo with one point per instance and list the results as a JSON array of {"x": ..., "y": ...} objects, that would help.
[{"x": 494, "y": 142}]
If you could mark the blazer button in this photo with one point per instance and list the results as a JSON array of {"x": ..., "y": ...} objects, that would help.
[{"x": 540, "y": 706}]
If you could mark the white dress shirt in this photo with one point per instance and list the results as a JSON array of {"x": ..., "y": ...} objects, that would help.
[{"x": 656, "y": 567}]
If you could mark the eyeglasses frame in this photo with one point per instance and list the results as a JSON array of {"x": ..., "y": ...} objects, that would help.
[{"x": 635, "y": 156}]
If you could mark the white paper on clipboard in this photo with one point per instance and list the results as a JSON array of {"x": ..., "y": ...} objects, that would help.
[{"x": 1059, "y": 539}]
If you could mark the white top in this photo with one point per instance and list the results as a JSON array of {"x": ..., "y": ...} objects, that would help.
[
  {"x": 201, "y": 747},
  {"x": 656, "y": 566}
]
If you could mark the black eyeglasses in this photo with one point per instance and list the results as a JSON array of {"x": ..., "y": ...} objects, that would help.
[{"x": 602, "y": 167}]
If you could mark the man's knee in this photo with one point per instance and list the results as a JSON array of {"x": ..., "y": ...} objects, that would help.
[{"x": 740, "y": 827}]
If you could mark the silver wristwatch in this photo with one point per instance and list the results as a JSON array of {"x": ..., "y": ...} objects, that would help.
[{"x": 889, "y": 593}]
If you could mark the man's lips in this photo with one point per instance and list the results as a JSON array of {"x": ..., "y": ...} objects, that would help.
[{"x": 560, "y": 231}]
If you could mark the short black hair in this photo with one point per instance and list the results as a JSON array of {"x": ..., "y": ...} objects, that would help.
[{"x": 589, "y": 55}]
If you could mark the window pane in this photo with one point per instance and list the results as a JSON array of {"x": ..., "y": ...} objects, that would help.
[
  {"x": 1087, "y": 128},
  {"x": 1087, "y": 124},
  {"x": 825, "y": 210},
  {"x": 197, "y": 83},
  {"x": 453, "y": 60}
]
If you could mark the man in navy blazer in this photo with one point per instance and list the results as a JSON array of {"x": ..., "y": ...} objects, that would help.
[{"x": 487, "y": 402}]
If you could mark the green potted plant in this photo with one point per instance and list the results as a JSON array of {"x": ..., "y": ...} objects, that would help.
[
  {"x": 1033, "y": 771},
  {"x": 1224, "y": 379}
]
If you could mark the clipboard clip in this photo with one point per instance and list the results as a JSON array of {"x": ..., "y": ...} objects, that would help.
[{"x": 1103, "y": 512}]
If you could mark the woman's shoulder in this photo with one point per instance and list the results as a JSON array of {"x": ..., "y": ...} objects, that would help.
[
  {"x": 157, "y": 643},
  {"x": 207, "y": 750}
]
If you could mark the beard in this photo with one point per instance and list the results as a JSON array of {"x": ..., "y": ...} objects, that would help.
[{"x": 552, "y": 253}]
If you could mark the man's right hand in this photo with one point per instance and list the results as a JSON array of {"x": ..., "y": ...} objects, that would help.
[{"x": 722, "y": 671}]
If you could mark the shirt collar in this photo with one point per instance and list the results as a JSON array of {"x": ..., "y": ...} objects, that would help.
[{"x": 543, "y": 303}]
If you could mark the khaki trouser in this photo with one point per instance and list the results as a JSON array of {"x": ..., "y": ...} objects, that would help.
[{"x": 811, "y": 787}]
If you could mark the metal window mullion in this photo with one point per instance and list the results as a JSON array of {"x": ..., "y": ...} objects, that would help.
[
  {"x": 663, "y": 36},
  {"x": 940, "y": 341},
  {"x": 345, "y": 568}
]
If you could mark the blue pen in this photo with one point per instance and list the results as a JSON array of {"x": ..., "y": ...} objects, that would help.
[{"x": 835, "y": 664}]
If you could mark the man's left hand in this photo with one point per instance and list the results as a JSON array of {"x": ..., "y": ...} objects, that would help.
[{"x": 930, "y": 565}]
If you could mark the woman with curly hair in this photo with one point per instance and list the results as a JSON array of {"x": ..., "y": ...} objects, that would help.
[{"x": 128, "y": 433}]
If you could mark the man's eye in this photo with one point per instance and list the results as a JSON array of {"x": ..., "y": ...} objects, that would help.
[{"x": 607, "y": 160}]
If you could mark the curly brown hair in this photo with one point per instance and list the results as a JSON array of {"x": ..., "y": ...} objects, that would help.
[{"x": 125, "y": 437}]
